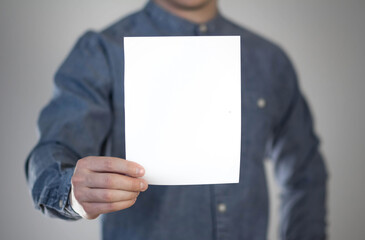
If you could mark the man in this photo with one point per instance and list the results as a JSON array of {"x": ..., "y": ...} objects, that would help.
[{"x": 85, "y": 120}]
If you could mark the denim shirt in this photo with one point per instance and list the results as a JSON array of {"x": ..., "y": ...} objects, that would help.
[{"x": 85, "y": 117}]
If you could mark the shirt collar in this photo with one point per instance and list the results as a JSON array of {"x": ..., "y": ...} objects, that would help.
[{"x": 175, "y": 25}]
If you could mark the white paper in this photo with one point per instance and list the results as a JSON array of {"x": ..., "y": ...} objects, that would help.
[{"x": 183, "y": 108}]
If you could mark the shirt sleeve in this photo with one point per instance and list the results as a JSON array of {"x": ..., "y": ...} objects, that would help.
[
  {"x": 74, "y": 124},
  {"x": 299, "y": 166}
]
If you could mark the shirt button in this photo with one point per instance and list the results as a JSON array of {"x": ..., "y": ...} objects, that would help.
[
  {"x": 203, "y": 28},
  {"x": 60, "y": 203},
  {"x": 222, "y": 207},
  {"x": 261, "y": 103}
]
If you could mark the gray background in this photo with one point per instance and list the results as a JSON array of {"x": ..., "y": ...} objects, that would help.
[{"x": 325, "y": 39}]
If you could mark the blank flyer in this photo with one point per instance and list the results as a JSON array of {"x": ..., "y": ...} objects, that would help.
[{"x": 183, "y": 108}]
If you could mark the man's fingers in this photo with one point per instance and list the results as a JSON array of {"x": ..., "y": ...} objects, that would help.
[
  {"x": 105, "y": 184},
  {"x": 105, "y": 195},
  {"x": 94, "y": 209},
  {"x": 113, "y": 165},
  {"x": 115, "y": 181}
]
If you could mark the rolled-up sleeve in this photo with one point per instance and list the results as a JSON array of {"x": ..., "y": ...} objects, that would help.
[
  {"x": 74, "y": 124},
  {"x": 299, "y": 166}
]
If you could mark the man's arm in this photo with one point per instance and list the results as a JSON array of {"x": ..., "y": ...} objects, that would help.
[
  {"x": 299, "y": 167},
  {"x": 75, "y": 125}
]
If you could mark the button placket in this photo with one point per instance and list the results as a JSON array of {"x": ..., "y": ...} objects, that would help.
[{"x": 221, "y": 208}]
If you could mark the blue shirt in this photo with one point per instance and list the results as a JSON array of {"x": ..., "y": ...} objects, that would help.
[{"x": 85, "y": 118}]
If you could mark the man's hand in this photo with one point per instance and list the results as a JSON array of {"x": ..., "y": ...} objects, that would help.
[{"x": 105, "y": 184}]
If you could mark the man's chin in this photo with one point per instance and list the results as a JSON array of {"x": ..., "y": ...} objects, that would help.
[{"x": 189, "y": 4}]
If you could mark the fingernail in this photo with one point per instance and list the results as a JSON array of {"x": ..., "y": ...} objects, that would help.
[
  {"x": 142, "y": 185},
  {"x": 139, "y": 171}
]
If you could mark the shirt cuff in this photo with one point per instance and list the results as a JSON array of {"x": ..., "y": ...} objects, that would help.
[
  {"x": 64, "y": 202},
  {"x": 54, "y": 200}
]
